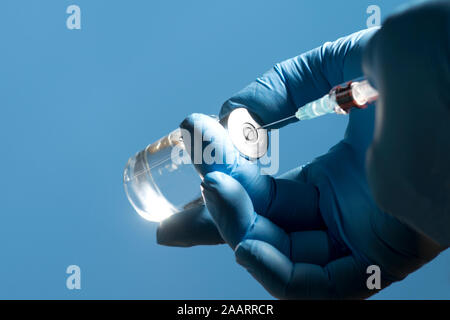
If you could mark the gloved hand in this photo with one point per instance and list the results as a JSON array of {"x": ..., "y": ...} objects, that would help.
[
  {"x": 313, "y": 232},
  {"x": 409, "y": 160}
]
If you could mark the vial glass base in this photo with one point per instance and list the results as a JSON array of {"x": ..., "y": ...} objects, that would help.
[{"x": 160, "y": 182}]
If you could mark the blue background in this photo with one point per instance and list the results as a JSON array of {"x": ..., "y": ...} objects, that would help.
[{"x": 75, "y": 104}]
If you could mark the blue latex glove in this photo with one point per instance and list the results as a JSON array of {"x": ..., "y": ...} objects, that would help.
[
  {"x": 313, "y": 232},
  {"x": 409, "y": 160}
]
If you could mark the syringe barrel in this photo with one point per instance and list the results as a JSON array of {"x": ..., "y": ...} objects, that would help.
[
  {"x": 316, "y": 108},
  {"x": 340, "y": 99}
]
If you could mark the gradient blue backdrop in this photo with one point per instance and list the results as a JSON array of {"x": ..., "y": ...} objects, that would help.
[{"x": 75, "y": 104}]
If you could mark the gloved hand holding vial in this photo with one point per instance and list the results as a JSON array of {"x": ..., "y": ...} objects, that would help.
[
  {"x": 150, "y": 175},
  {"x": 313, "y": 231}
]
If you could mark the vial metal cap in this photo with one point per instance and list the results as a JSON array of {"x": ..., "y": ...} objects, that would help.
[{"x": 243, "y": 130}]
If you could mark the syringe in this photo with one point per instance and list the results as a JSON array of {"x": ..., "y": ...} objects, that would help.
[{"x": 352, "y": 94}]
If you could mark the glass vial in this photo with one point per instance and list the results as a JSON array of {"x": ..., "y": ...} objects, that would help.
[
  {"x": 157, "y": 180},
  {"x": 161, "y": 179}
]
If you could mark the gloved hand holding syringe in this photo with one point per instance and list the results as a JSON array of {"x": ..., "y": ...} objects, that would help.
[{"x": 353, "y": 94}]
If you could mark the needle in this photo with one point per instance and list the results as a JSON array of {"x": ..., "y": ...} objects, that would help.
[{"x": 269, "y": 125}]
